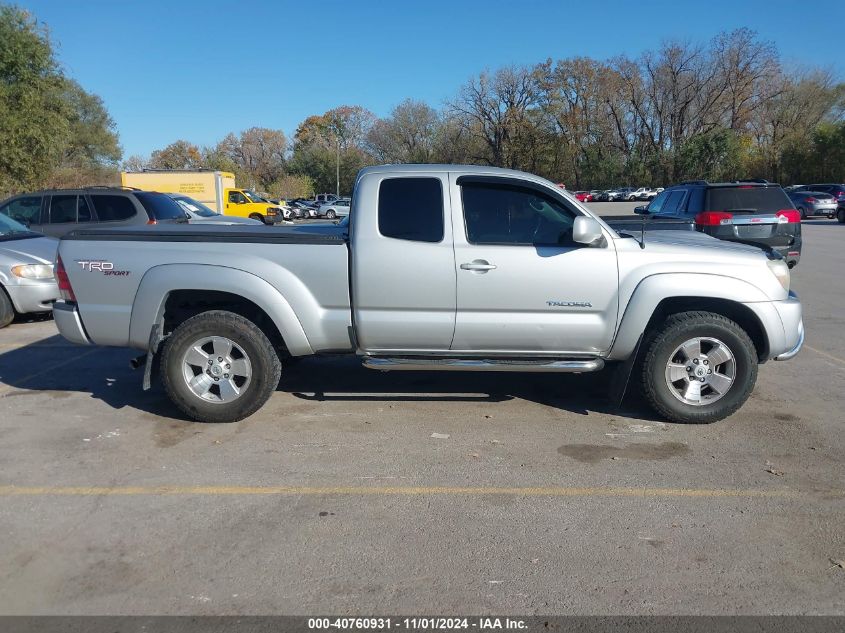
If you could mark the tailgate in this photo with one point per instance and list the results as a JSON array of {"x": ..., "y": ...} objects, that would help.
[{"x": 751, "y": 213}]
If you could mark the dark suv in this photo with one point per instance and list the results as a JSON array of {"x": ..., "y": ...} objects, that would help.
[
  {"x": 758, "y": 213},
  {"x": 60, "y": 211},
  {"x": 834, "y": 189}
]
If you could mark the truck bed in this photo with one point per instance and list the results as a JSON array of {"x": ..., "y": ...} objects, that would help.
[{"x": 306, "y": 267}]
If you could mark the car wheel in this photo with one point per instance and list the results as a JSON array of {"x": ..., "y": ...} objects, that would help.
[
  {"x": 698, "y": 367},
  {"x": 219, "y": 367},
  {"x": 802, "y": 212},
  {"x": 331, "y": 215},
  {"x": 256, "y": 216},
  {"x": 7, "y": 310},
  {"x": 840, "y": 216}
]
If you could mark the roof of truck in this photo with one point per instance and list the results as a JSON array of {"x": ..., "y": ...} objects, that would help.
[{"x": 467, "y": 169}]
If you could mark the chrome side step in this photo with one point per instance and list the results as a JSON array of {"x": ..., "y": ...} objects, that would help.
[{"x": 573, "y": 366}]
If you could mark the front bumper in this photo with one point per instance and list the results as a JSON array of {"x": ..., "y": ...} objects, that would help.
[
  {"x": 33, "y": 297},
  {"x": 66, "y": 316}
]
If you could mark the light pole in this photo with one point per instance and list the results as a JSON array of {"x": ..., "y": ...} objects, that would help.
[{"x": 337, "y": 164}]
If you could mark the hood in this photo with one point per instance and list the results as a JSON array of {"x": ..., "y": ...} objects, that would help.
[
  {"x": 695, "y": 239},
  {"x": 36, "y": 250}
]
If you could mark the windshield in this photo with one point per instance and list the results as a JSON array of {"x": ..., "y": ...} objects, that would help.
[
  {"x": 253, "y": 197},
  {"x": 197, "y": 208},
  {"x": 13, "y": 228}
]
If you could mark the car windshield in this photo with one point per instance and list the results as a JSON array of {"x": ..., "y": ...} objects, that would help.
[
  {"x": 12, "y": 229},
  {"x": 253, "y": 197},
  {"x": 197, "y": 208}
]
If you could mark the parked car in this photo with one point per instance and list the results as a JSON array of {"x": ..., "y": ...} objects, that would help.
[
  {"x": 27, "y": 282},
  {"x": 638, "y": 194},
  {"x": 837, "y": 190},
  {"x": 483, "y": 293},
  {"x": 648, "y": 193},
  {"x": 583, "y": 196},
  {"x": 759, "y": 214},
  {"x": 618, "y": 195},
  {"x": 198, "y": 213},
  {"x": 813, "y": 203},
  {"x": 323, "y": 198},
  {"x": 306, "y": 208},
  {"x": 336, "y": 209},
  {"x": 59, "y": 211}
]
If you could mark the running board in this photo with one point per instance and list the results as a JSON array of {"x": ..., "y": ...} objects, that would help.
[{"x": 573, "y": 366}]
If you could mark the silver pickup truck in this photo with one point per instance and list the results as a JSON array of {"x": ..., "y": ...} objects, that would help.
[{"x": 439, "y": 267}]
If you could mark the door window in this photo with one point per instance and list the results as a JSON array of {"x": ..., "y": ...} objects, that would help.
[
  {"x": 26, "y": 210},
  {"x": 237, "y": 197},
  {"x": 673, "y": 202},
  {"x": 63, "y": 209},
  {"x": 510, "y": 215},
  {"x": 656, "y": 205},
  {"x": 411, "y": 209}
]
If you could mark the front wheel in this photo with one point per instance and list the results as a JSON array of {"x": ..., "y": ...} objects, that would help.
[
  {"x": 840, "y": 216},
  {"x": 219, "y": 367},
  {"x": 7, "y": 311},
  {"x": 699, "y": 367},
  {"x": 331, "y": 215}
]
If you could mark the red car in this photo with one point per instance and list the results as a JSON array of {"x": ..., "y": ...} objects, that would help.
[{"x": 584, "y": 196}]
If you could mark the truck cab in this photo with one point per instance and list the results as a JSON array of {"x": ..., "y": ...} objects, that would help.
[{"x": 245, "y": 203}]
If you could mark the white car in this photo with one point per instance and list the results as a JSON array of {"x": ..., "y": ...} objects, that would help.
[{"x": 198, "y": 213}]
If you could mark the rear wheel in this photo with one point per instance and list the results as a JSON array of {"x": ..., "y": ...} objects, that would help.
[
  {"x": 699, "y": 367},
  {"x": 803, "y": 212},
  {"x": 840, "y": 216},
  {"x": 219, "y": 367},
  {"x": 7, "y": 311}
]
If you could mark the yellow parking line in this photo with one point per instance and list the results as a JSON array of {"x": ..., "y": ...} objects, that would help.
[
  {"x": 547, "y": 491},
  {"x": 22, "y": 381},
  {"x": 826, "y": 355}
]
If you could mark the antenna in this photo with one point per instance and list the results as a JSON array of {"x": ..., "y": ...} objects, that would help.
[{"x": 642, "y": 231}]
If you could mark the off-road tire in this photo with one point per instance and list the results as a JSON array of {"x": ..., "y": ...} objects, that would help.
[
  {"x": 266, "y": 367},
  {"x": 676, "y": 329},
  {"x": 7, "y": 310}
]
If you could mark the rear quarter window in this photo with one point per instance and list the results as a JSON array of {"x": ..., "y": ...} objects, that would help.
[
  {"x": 756, "y": 199},
  {"x": 113, "y": 208},
  {"x": 411, "y": 209},
  {"x": 160, "y": 206}
]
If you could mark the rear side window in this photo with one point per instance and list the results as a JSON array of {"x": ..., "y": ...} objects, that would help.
[
  {"x": 411, "y": 209},
  {"x": 113, "y": 208},
  {"x": 27, "y": 209},
  {"x": 63, "y": 209},
  {"x": 160, "y": 206},
  {"x": 744, "y": 198}
]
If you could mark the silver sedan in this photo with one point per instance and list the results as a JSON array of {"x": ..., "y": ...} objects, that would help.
[{"x": 27, "y": 281}]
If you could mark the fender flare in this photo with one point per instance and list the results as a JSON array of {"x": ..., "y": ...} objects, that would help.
[
  {"x": 158, "y": 282},
  {"x": 653, "y": 289}
]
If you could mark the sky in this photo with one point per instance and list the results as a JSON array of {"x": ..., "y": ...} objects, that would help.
[{"x": 197, "y": 70}]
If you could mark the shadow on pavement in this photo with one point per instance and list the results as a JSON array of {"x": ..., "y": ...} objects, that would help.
[{"x": 53, "y": 365}]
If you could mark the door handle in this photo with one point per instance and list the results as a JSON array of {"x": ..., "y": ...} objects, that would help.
[{"x": 478, "y": 265}]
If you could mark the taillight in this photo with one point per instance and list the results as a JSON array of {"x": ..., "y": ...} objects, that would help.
[
  {"x": 64, "y": 281},
  {"x": 810, "y": 200},
  {"x": 151, "y": 221},
  {"x": 714, "y": 218},
  {"x": 790, "y": 216}
]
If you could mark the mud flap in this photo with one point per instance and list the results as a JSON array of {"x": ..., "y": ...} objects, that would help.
[
  {"x": 152, "y": 349},
  {"x": 622, "y": 376}
]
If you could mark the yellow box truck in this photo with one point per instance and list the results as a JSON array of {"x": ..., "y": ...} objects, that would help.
[{"x": 215, "y": 189}]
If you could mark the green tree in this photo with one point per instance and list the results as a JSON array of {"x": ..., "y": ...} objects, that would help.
[{"x": 178, "y": 155}]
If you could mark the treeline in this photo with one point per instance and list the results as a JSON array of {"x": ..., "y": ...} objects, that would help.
[
  {"x": 722, "y": 110},
  {"x": 52, "y": 132},
  {"x": 719, "y": 110}
]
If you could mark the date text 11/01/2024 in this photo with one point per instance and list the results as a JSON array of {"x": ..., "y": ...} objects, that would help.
[{"x": 417, "y": 623}]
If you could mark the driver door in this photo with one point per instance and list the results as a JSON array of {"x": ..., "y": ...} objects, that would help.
[{"x": 523, "y": 285}]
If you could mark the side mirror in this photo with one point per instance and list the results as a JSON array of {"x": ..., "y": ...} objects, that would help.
[
  {"x": 642, "y": 209},
  {"x": 586, "y": 230}
]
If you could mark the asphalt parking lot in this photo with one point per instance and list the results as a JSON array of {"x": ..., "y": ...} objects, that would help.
[{"x": 356, "y": 492}]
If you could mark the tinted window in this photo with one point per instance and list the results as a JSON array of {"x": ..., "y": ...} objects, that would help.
[
  {"x": 62, "y": 209},
  {"x": 411, "y": 209},
  {"x": 160, "y": 206},
  {"x": 113, "y": 208},
  {"x": 83, "y": 211},
  {"x": 744, "y": 198},
  {"x": 26, "y": 209},
  {"x": 496, "y": 214},
  {"x": 673, "y": 202}
]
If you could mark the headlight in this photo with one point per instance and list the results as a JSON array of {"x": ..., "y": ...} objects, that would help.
[
  {"x": 33, "y": 271},
  {"x": 272, "y": 211},
  {"x": 781, "y": 271}
]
